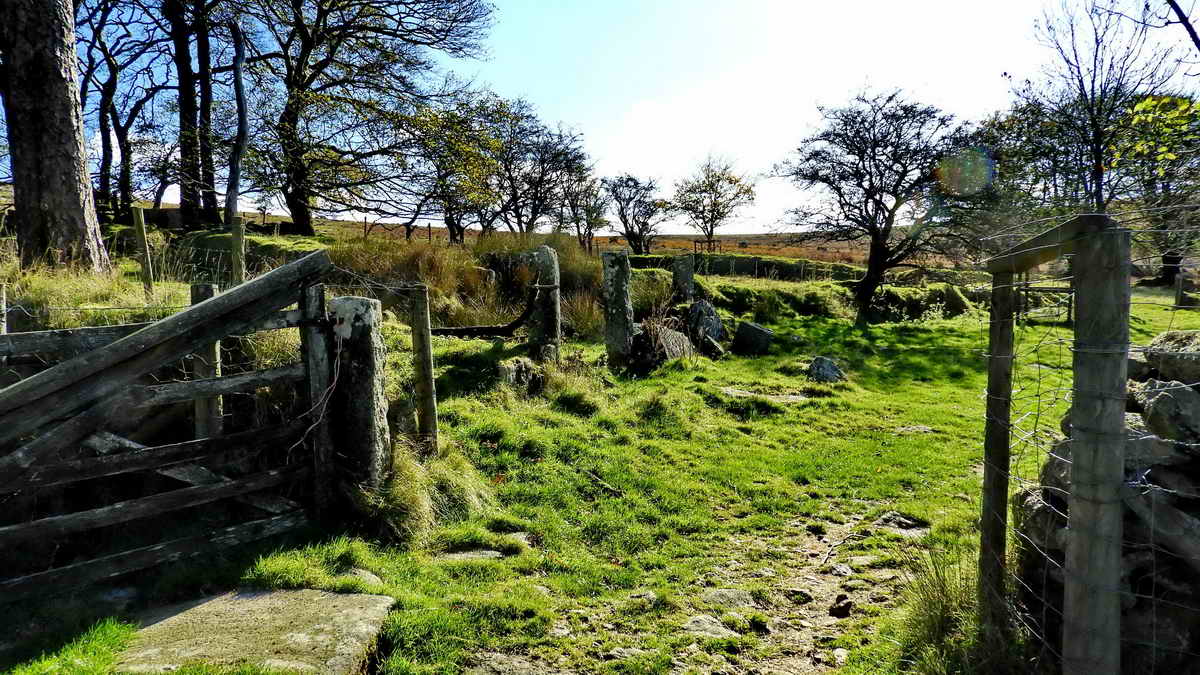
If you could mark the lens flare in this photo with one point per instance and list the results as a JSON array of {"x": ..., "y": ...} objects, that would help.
[{"x": 967, "y": 172}]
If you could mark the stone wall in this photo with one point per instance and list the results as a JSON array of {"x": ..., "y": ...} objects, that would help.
[{"x": 1160, "y": 582}]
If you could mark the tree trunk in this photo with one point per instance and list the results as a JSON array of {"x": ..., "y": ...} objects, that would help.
[
  {"x": 124, "y": 202},
  {"x": 297, "y": 193},
  {"x": 107, "y": 93},
  {"x": 233, "y": 184},
  {"x": 864, "y": 290},
  {"x": 56, "y": 217},
  {"x": 208, "y": 173},
  {"x": 189, "y": 148},
  {"x": 1171, "y": 261}
]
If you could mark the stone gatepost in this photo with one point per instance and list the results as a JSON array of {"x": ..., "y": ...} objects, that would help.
[
  {"x": 618, "y": 307},
  {"x": 682, "y": 279},
  {"x": 545, "y": 324},
  {"x": 359, "y": 406}
]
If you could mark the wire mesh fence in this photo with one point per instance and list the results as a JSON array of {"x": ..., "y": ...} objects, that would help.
[{"x": 1092, "y": 438}]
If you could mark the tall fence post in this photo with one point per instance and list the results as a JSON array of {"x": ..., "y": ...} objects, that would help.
[
  {"x": 139, "y": 228},
  {"x": 206, "y": 363},
  {"x": 993, "y": 522},
  {"x": 1092, "y": 602},
  {"x": 682, "y": 277},
  {"x": 426, "y": 391},
  {"x": 237, "y": 251},
  {"x": 618, "y": 307},
  {"x": 1179, "y": 296},
  {"x": 314, "y": 346},
  {"x": 3, "y": 309},
  {"x": 545, "y": 325},
  {"x": 359, "y": 403}
]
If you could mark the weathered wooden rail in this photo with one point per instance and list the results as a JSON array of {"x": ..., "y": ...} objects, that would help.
[{"x": 52, "y": 426}]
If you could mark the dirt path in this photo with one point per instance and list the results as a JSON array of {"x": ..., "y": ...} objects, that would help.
[{"x": 797, "y": 591}]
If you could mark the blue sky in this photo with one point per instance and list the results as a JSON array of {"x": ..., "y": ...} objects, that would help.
[{"x": 656, "y": 85}]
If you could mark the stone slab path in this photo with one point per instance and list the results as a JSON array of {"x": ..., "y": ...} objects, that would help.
[{"x": 303, "y": 630}]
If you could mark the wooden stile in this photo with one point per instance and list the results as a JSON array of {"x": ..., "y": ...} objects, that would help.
[{"x": 206, "y": 364}]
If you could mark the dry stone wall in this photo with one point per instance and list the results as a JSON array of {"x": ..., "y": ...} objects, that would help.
[{"x": 1160, "y": 577}]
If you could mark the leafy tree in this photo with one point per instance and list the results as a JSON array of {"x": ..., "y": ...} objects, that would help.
[
  {"x": 874, "y": 164},
  {"x": 584, "y": 203},
  {"x": 1160, "y": 153},
  {"x": 638, "y": 209},
  {"x": 712, "y": 195},
  {"x": 56, "y": 218},
  {"x": 1101, "y": 67},
  {"x": 339, "y": 79}
]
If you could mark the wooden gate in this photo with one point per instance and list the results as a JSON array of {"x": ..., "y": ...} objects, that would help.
[{"x": 53, "y": 428}]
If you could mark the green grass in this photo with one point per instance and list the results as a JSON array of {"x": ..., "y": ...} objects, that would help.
[{"x": 629, "y": 484}]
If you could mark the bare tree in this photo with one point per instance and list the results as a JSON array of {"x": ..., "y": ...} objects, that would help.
[
  {"x": 583, "y": 205},
  {"x": 638, "y": 209},
  {"x": 56, "y": 218},
  {"x": 712, "y": 195},
  {"x": 874, "y": 164},
  {"x": 234, "y": 181},
  {"x": 1101, "y": 65}
]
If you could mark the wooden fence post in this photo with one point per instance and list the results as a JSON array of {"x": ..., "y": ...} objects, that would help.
[
  {"x": 618, "y": 307},
  {"x": 3, "y": 309},
  {"x": 993, "y": 522},
  {"x": 206, "y": 363},
  {"x": 314, "y": 347},
  {"x": 426, "y": 390},
  {"x": 682, "y": 277},
  {"x": 1092, "y": 603},
  {"x": 139, "y": 228},
  {"x": 237, "y": 251},
  {"x": 1179, "y": 296},
  {"x": 545, "y": 325},
  {"x": 359, "y": 402}
]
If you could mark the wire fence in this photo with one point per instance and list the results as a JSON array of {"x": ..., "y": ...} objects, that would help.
[{"x": 1093, "y": 438}]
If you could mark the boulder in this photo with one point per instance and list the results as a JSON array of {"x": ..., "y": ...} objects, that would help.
[
  {"x": 655, "y": 344},
  {"x": 708, "y": 626},
  {"x": 1174, "y": 412},
  {"x": 702, "y": 320},
  {"x": 1139, "y": 369},
  {"x": 522, "y": 374},
  {"x": 710, "y": 348},
  {"x": 752, "y": 339},
  {"x": 825, "y": 369},
  {"x": 1176, "y": 355}
]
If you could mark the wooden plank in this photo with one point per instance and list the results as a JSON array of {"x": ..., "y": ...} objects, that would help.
[
  {"x": 207, "y": 412},
  {"x": 1046, "y": 246},
  {"x": 133, "y": 509},
  {"x": 1092, "y": 594},
  {"x": 193, "y": 474},
  {"x": 65, "y": 343},
  {"x": 314, "y": 347},
  {"x": 993, "y": 522},
  {"x": 72, "y": 385},
  {"x": 65, "y": 579},
  {"x": 178, "y": 392},
  {"x": 136, "y": 457}
]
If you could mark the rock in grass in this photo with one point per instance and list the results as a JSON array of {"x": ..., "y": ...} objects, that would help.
[
  {"x": 728, "y": 597},
  {"x": 842, "y": 606},
  {"x": 1139, "y": 369},
  {"x": 1176, "y": 355},
  {"x": 300, "y": 630},
  {"x": 655, "y": 345},
  {"x": 522, "y": 374},
  {"x": 702, "y": 321},
  {"x": 752, "y": 339},
  {"x": 825, "y": 369},
  {"x": 708, "y": 626}
]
